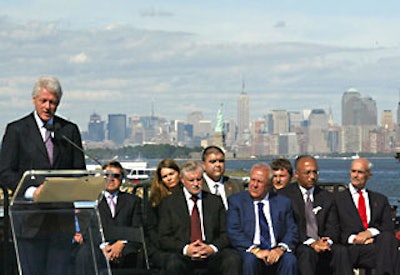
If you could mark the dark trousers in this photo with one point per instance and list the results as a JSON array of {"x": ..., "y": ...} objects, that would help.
[
  {"x": 337, "y": 261},
  {"x": 45, "y": 256},
  {"x": 225, "y": 262},
  {"x": 251, "y": 265},
  {"x": 382, "y": 255}
]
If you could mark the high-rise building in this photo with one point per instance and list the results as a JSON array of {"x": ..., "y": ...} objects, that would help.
[
  {"x": 357, "y": 110},
  {"x": 117, "y": 128},
  {"x": 96, "y": 128},
  {"x": 387, "y": 121},
  {"x": 194, "y": 118},
  {"x": 317, "y": 131},
  {"x": 243, "y": 113},
  {"x": 280, "y": 121}
]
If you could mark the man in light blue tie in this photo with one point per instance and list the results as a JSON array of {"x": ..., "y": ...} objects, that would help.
[{"x": 260, "y": 225}]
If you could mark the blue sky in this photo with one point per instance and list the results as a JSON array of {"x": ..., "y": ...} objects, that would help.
[{"x": 120, "y": 56}]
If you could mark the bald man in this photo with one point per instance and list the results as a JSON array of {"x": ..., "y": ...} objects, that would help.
[{"x": 365, "y": 222}]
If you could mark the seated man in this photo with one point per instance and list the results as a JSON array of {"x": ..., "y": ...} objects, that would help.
[
  {"x": 261, "y": 226},
  {"x": 192, "y": 228},
  {"x": 119, "y": 212},
  {"x": 319, "y": 251},
  {"x": 366, "y": 225}
]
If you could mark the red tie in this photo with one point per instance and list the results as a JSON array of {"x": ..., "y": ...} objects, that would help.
[
  {"x": 195, "y": 226},
  {"x": 362, "y": 210}
]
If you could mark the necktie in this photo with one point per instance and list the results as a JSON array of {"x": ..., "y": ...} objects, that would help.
[
  {"x": 111, "y": 204},
  {"x": 265, "y": 238},
  {"x": 216, "y": 190},
  {"x": 312, "y": 227},
  {"x": 362, "y": 210},
  {"x": 49, "y": 145},
  {"x": 195, "y": 226}
]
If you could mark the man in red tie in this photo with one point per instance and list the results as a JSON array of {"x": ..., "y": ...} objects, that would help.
[
  {"x": 192, "y": 229},
  {"x": 365, "y": 222}
]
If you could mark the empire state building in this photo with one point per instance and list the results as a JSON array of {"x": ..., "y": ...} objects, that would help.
[{"x": 243, "y": 113}]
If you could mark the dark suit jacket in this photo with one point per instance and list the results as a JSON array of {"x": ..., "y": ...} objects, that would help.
[
  {"x": 174, "y": 223},
  {"x": 128, "y": 214},
  {"x": 23, "y": 149},
  {"x": 350, "y": 221},
  {"x": 231, "y": 186},
  {"x": 241, "y": 220},
  {"x": 327, "y": 220}
]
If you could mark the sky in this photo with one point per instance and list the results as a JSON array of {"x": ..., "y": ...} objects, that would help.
[{"x": 175, "y": 57}]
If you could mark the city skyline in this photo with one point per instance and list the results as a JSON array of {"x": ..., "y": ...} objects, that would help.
[{"x": 123, "y": 57}]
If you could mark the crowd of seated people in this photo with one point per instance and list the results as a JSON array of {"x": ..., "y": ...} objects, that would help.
[{"x": 283, "y": 236}]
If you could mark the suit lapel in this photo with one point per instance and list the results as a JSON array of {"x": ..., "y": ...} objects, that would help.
[{"x": 34, "y": 135}]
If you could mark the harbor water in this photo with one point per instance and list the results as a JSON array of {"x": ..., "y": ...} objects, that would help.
[{"x": 385, "y": 173}]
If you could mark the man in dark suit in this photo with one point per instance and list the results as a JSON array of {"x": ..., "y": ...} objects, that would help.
[
  {"x": 365, "y": 223},
  {"x": 213, "y": 162},
  {"x": 23, "y": 146},
  {"x": 119, "y": 211},
  {"x": 261, "y": 227},
  {"x": 29, "y": 144},
  {"x": 318, "y": 251},
  {"x": 192, "y": 228}
]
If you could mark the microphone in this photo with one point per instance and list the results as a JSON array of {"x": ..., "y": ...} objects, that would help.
[{"x": 56, "y": 127}]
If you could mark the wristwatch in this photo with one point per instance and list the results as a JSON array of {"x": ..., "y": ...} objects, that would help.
[{"x": 282, "y": 247}]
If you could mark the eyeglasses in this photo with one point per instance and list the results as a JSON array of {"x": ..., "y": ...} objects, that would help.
[
  {"x": 112, "y": 175},
  {"x": 308, "y": 173},
  {"x": 215, "y": 160}
]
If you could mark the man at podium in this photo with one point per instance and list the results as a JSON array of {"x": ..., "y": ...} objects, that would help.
[{"x": 39, "y": 141}]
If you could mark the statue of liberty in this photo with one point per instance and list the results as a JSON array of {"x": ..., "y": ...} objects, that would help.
[{"x": 219, "y": 127}]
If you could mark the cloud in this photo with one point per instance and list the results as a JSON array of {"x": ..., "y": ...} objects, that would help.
[
  {"x": 79, "y": 58},
  {"x": 120, "y": 68},
  {"x": 280, "y": 24}
]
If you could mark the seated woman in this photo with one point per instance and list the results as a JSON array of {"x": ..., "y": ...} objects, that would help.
[{"x": 165, "y": 182}]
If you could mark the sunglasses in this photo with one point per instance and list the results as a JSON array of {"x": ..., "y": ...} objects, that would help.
[{"x": 112, "y": 175}]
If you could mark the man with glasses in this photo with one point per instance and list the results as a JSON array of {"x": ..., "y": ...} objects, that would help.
[
  {"x": 366, "y": 225},
  {"x": 119, "y": 211},
  {"x": 315, "y": 213},
  {"x": 213, "y": 162}
]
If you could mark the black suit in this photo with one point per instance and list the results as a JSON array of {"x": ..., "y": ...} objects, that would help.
[
  {"x": 23, "y": 149},
  {"x": 383, "y": 253},
  {"x": 128, "y": 214},
  {"x": 308, "y": 260},
  {"x": 174, "y": 234}
]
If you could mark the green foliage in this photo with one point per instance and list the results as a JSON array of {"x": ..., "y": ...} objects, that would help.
[{"x": 148, "y": 151}]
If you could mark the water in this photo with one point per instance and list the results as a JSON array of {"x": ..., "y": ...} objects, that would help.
[{"x": 385, "y": 173}]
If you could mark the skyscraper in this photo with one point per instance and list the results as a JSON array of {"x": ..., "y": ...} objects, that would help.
[
  {"x": 357, "y": 110},
  {"x": 117, "y": 128},
  {"x": 243, "y": 113},
  {"x": 96, "y": 128}
]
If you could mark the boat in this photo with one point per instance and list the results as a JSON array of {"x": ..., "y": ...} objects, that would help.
[
  {"x": 137, "y": 171},
  {"x": 356, "y": 156}
]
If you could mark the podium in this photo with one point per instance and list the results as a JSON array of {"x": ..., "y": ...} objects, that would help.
[{"x": 45, "y": 228}]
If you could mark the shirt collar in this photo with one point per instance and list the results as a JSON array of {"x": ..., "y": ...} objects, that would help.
[
  {"x": 210, "y": 180},
  {"x": 188, "y": 195},
  {"x": 304, "y": 191},
  {"x": 354, "y": 190},
  {"x": 40, "y": 122}
]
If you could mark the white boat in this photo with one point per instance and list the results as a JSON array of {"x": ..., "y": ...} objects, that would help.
[
  {"x": 356, "y": 156},
  {"x": 137, "y": 171}
]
